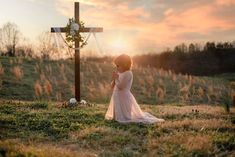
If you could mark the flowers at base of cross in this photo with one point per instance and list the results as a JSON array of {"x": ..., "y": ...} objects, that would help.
[
  {"x": 72, "y": 102},
  {"x": 83, "y": 102}
]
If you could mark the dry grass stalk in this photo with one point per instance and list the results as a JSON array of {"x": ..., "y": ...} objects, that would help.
[
  {"x": 62, "y": 72},
  {"x": 37, "y": 89},
  {"x": 232, "y": 84},
  {"x": 191, "y": 80},
  {"x": 185, "y": 89},
  {"x": 180, "y": 75},
  {"x": 20, "y": 61},
  {"x": 1, "y": 70},
  {"x": 37, "y": 68},
  {"x": 210, "y": 89},
  {"x": 160, "y": 93},
  {"x": 47, "y": 87},
  {"x": 100, "y": 70},
  {"x": 160, "y": 72},
  {"x": 18, "y": 72},
  {"x": 58, "y": 96},
  {"x": 174, "y": 78},
  {"x": 62, "y": 67},
  {"x": 42, "y": 77},
  {"x": 104, "y": 88},
  {"x": 169, "y": 73},
  {"x": 150, "y": 80},
  {"x": 141, "y": 81},
  {"x": 48, "y": 69},
  {"x": 186, "y": 76},
  {"x": 91, "y": 88},
  {"x": 200, "y": 91},
  {"x": 208, "y": 98},
  {"x": 160, "y": 82}
]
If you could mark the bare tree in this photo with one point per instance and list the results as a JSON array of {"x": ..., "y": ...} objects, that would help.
[
  {"x": 9, "y": 37},
  {"x": 25, "y": 49},
  {"x": 51, "y": 47},
  {"x": 45, "y": 47}
]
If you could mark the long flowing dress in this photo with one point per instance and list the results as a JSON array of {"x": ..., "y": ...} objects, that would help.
[{"x": 123, "y": 106}]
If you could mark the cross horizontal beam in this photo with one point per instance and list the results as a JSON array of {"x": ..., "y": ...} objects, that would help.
[{"x": 84, "y": 30}]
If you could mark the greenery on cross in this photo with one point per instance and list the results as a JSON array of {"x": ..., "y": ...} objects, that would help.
[{"x": 70, "y": 38}]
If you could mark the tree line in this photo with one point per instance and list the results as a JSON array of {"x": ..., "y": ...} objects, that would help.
[
  {"x": 209, "y": 59},
  {"x": 195, "y": 59}
]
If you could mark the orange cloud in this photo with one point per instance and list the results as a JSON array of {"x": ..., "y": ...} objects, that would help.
[
  {"x": 138, "y": 23},
  {"x": 199, "y": 20},
  {"x": 225, "y": 2}
]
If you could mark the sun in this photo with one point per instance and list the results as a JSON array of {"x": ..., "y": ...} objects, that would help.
[{"x": 119, "y": 44}]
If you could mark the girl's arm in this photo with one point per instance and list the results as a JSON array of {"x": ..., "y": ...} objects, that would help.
[
  {"x": 112, "y": 84},
  {"x": 122, "y": 82},
  {"x": 114, "y": 76}
]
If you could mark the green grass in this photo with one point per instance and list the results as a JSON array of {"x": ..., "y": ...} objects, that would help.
[
  {"x": 27, "y": 130},
  {"x": 34, "y": 123}
]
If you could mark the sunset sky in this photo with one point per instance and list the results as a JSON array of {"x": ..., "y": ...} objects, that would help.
[{"x": 135, "y": 26}]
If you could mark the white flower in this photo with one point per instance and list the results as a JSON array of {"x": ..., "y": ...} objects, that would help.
[
  {"x": 83, "y": 102},
  {"x": 74, "y": 26},
  {"x": 72, "y": 32},
  {"x": 72, "y": 101}
]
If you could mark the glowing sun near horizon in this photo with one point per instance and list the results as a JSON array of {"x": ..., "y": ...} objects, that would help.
[{"x": 120, "y": 45}]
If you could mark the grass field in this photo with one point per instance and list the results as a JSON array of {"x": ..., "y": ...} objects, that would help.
[
  {"x": 46, "y": 129},
  {"x": 200, "y": 118}
]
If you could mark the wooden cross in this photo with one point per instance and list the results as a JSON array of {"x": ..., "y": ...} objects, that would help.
[{"x": 77, "y": 51}]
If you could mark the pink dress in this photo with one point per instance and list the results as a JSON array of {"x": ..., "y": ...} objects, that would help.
[{"x": 123, "y": 106}]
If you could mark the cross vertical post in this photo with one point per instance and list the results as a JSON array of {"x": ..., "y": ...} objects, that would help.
[
  {"x": 77, "y": 47},
  {"x": 77, "y": 57}
]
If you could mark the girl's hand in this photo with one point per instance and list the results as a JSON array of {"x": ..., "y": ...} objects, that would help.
[
  {"x": 112, "y": 84},
  {"x": 115, "y": 75}
]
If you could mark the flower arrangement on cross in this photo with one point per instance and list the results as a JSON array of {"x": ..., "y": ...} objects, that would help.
[{"x": 72, "y": 33}]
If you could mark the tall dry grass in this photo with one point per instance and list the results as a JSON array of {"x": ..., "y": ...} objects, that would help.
[
  {"x": 18, "y": 72},
  {"x": 1, "y": 69},
  {"x": 150, "y": 85},
  {"x": 47, "y": 86},
  {"x": 160, "y": 93},
  {"x": 58, "y": 96},
  {"x": 38, "y": 89},
  {"x": 19, "y": 61}
]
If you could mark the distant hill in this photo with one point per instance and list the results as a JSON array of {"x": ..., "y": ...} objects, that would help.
[{"x": 31, "y": 79}]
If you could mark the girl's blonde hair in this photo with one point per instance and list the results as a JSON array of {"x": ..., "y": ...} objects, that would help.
[{"x": 124, "y": 61}]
